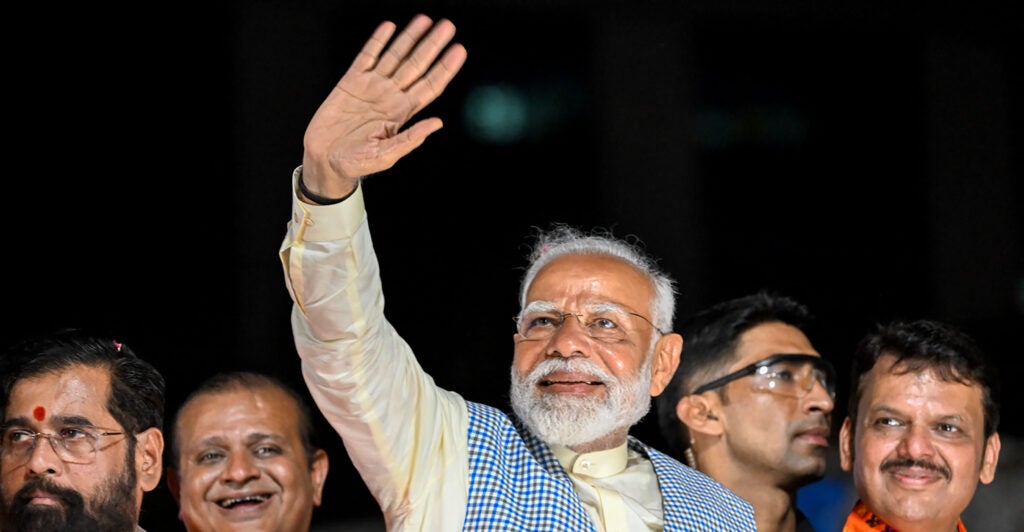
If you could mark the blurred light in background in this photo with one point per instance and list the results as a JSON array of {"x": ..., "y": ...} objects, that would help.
[{"x": 504, "y": 113}]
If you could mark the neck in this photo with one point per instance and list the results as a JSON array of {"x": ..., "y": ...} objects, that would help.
[
  {"x": 608, "y": 441},
  {"x": 774, "y": 506}
]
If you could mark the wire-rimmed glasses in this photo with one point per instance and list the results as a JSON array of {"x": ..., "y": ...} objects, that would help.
[
  {"x": 73, "y": 445},
  {"x": 603, "y": 326}
]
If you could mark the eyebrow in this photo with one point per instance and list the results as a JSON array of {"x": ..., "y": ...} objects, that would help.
[
  {"x": 942, "y": 418},
  {"x": 540, "y": 306},
  {"x": 607, "y": 306},
  {"x": 596, "y": 307},
  {"x": 22, "y": 421},
  {"x": 255, "y": 437},
  {"x": 883, "y": 409},
  {"x": 957, "y": 419}
]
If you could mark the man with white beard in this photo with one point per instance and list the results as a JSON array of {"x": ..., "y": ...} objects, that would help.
[{"x": 591, "y": 344}]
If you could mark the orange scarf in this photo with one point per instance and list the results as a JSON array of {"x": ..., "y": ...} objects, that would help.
[{"x": 863, "y": 520}]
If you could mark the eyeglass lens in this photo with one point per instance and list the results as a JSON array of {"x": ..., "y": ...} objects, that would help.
[
  {"x": 602, "y": 326},
  {"x": 77, "y": 447},
  {"x": 791, "y": 377}
]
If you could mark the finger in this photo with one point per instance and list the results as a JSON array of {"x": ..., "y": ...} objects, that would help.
[
  {"x": 404, "y": 43},
  {"x": 430, "y": 86},
  {"x": 424, "y": 55},
  {"x": 367, "y": 57},
  {"x": 400, "y": 145}
]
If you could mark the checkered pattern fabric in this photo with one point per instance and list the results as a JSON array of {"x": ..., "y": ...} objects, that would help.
[{"x": 516, "y": 484}]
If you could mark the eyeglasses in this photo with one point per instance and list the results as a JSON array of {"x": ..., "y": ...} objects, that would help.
[
  {"x": 785, "y": 374},
  {"x": 73, "y": 445},
  {"x": 605, "y": 326}
]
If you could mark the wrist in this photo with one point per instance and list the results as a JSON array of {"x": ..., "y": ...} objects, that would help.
[{"x": 316, "y": 198}]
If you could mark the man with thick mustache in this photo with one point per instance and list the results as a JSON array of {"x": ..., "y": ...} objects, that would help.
[
  {"x": 922, "y": 428},
  {"x": 81, "y": 438},
  {"x": 751, "y": 404},
  {"x": 591, "y": 346}
]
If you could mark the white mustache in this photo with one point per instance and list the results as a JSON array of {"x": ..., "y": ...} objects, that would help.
[{"x": 577, "y": 365}]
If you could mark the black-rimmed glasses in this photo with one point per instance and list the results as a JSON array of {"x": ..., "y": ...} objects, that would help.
[{"x": 785, "y": 374}]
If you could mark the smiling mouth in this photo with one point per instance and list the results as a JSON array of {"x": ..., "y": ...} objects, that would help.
[
  {"x": 247, "y": 500},
  {"x": 916, "y": 475}
]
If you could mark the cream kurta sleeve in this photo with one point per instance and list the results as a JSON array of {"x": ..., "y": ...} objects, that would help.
[{"x": 405, "y": 436}]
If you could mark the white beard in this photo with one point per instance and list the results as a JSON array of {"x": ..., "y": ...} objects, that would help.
[{"x": 572, "y": 420}]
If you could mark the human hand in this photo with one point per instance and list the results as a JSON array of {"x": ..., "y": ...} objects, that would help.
[{"x": 357, "y": 130}]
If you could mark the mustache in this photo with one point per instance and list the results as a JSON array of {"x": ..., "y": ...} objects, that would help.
[
  {"x": 897, "y": 463},
  {"x": 67, "y": 497},
  {"x": 567, "y": 364}
]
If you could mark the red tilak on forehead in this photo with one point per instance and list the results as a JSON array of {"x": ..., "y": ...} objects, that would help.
[{"x": 39, "y": 413}]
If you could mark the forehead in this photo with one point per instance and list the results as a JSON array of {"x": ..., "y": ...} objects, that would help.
[
  {"x": 588, "y": 278},
  {"x": 919, "y": 393},
  {"x": 73, "y": 391},
  {"x": 238, "y": 412},
  {"x": 766, "y": 339}
]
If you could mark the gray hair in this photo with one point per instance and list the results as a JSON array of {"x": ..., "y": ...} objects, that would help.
[{"x": 563, "y": 240}]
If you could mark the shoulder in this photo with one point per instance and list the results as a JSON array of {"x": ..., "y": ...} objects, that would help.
[{"x": 692, "y": 497}]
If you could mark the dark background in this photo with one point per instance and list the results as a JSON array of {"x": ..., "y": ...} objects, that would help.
[{"x": 864, "y": 159}]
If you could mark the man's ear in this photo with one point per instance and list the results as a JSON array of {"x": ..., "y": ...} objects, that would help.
[
  {"x": 318, "y": 472},
  {"x": 989, "y": 459},
  {"x": 846, "y": 445},
  {"x": 149, "y": 451},
  {"x": 174, "y": 484},
  {"x": 697, "y": 412},
  {"x": 666, "y": 359}
]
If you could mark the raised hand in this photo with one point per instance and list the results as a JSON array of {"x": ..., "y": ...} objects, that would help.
[{"x": 358, "y": 129}]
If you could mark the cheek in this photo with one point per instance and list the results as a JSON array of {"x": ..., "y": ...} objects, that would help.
[
  {"x": 527, "y": 355},
  {"x": 757, "y": 413},
  {"x": 619, "y": 364},
  {"x": 196, "y": 483},
  {"x": 289, "y": 477},
  {"x": 8, "y": 486},
  {"x": 962, "y": 461},
  {"x": 872, "y": 450},
  {"x": 91, "y": 478},
  {"x": 767, "y": 415},
  {"x": 626, "y": 359}
]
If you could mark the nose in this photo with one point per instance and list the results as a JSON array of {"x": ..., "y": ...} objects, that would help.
[
  {"x": 570, "y": 338},
  {"x": 43, "y": 459},
  {"x": 241, "y": 467},
  {"x": 915, "y": 442},
  {"x": 818, "y": 398}
]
